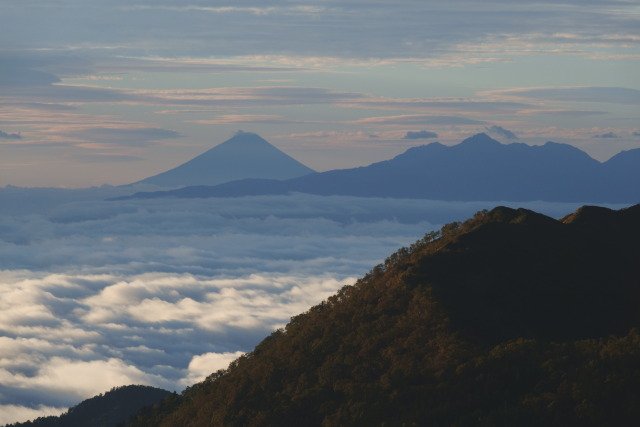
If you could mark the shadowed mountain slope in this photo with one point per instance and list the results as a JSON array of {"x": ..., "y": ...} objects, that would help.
[
  {"x": 510, "y": 318},
  {"x": 479, "y": 168},
  {"x": 111, "y": 409},
  {"x": 246, "y": 155}
]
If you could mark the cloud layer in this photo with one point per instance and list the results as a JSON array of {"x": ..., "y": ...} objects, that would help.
[
  {"x": 422, "y": 134},
  {"x": 97, "y": 294},
  {"x": 353, "y": 28}
]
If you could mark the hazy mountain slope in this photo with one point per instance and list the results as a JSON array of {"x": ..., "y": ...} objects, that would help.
[
  {"x": 511, "y": 318},
  {"x": 624, "y": 167},
  {"x": 246, "y": 155},
  {"x": 105, "y": 410},
  {"x": 479, "y": 168}
]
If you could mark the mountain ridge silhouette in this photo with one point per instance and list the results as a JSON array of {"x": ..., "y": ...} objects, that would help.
[{"x": 477, "y": 169}]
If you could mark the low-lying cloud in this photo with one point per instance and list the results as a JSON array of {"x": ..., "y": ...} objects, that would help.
[
  {"x": 422, "y": 134},
  {"x": 606, "y": 135},
  {"x": 97, "y": 294},
  {"x": 5, "y": 135}
]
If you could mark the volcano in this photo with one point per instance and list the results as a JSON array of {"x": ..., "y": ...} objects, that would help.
[{"x": 245, "y": 155}]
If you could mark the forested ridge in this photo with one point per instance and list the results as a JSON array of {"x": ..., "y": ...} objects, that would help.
[
  {"x": 110, "y": 409},
  {"x": 510, "y": 318}
]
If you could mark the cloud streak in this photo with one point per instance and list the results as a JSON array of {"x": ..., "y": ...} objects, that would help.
[
  {"x": 374, "y": 29},
  {"x": 422, "y": 134},
  {"x": 613, "y": 95},
  {"x": 129, "y": 137},
  {"x": 501, "y": 132},
  {"x": 607, "y": 135},
  {"x": 418, "y": 119},
  {"x": 5, "y": 135}
]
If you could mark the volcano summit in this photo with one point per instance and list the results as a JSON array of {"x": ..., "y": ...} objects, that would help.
[{"x": 245, "y": 155}]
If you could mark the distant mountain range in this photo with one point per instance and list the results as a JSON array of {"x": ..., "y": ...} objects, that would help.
[
  {"x": 478, "y": 169},
  {"x": 246, "y": 155}
]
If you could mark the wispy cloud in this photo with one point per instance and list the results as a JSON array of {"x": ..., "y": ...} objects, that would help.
[
  {"x": 5, "y": 135},
  {"x": 106, "y": 158},
  {"x": 425, "y": 29},
  {"x": 417, "y": 119},
  {"x": 500, "y": 132},
  {"x": 260, "y": 11},
  {"x": 127, "y": 136},
  {"x": 249, "y": 118},
  {"x": 478, "y": 106},
  {"x": 245, "y": 96},
  {"x": 422, "y": 134},
  {"x": 606, "y": 135},
  {"x": 561, "y": 113},
  {"x": 613, "y": 95},
  {"x": 235, "y": 64}
]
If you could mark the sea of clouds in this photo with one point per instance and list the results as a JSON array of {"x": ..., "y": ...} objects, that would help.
[{"x": 96, "y": 294}]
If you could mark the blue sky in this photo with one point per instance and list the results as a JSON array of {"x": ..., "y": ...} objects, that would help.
[{"x": 109, "y": 92}]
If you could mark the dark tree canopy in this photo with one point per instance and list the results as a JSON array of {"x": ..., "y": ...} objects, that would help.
[{"x": 110, "y": 409}]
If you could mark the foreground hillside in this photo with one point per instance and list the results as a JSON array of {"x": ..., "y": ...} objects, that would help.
[
  {"x": 510, "y": 318},
  {"x": 110, "y": 409}
]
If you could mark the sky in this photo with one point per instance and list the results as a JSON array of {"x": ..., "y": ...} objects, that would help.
[
  {"x": 96, "y": 294},
  {"x": 99, "y": 92}
]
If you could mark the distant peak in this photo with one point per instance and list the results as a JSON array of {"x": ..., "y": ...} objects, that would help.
[
  {"x": 508, "y": 215},
  {"x": 241, "y": 133},
  {"x": 246, "y": 140},
  {"x": 480, "y": 139},
  {"x": 589, "y": 215},
  {"x": 245, "y": 136},
  {"x": 245, "y": 155}
]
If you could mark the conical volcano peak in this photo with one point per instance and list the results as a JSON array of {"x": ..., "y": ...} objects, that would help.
[
  {"x": 243, "y": 145},
  {"x": 245, "y": 138},
  {"x": 480, "y": 140},
  {"x": 241, "y": 134},
  {"x": 246, "y": 155}
]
